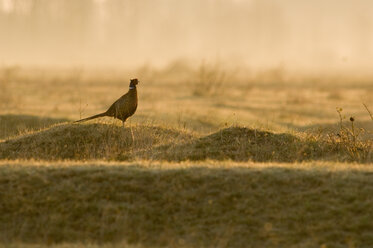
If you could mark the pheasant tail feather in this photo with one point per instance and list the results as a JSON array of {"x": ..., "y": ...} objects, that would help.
[{"x": 92, "y": 117}]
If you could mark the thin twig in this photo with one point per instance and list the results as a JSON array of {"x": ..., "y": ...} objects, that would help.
[
  {"x": 370, "y": 113},
  {"x": 339, "y": 110}
]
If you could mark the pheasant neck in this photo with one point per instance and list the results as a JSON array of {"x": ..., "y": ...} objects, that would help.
[{"x": 132, "y": 87}]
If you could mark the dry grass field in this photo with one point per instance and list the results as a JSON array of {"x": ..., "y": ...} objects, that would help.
[{"x": 214, "y": 157}]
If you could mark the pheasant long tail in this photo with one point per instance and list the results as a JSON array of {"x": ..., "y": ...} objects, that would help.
[{"x": 92, "y": 117}]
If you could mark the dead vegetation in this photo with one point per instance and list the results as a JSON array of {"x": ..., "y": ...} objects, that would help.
[
  {"x": 88, "y": 142},
  {"x": 14, "y": 125},
  {"x": 113, "y": 142},
  {"x": 244, "y": 144},
  {"x": 210, "y": 80},
  {"x": 186, "y": 205},
  {"x": 190, "y": 169},
  {"x": 351, "y": 139}
]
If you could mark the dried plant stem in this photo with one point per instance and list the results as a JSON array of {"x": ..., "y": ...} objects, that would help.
[
  {"x": 339, "y": 110},
  {"x": 370, "y": 113},
  {"x": 353, "y": 132}
]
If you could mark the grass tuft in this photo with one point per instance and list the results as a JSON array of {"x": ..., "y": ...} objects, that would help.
[{"x": 351, "y": 141}]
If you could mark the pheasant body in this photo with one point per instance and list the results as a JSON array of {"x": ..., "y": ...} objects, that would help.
[{"x": 122, "y": 108}]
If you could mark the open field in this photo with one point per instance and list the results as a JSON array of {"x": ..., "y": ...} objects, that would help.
[
  {"x": 202, "y": 98},
  {"x": 214, "y": 157},
  {"x": 204, "y": 204}
]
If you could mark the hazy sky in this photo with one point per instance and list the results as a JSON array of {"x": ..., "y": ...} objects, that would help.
[{"x": 327, "y": 34}]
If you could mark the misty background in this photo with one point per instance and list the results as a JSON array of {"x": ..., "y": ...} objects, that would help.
[{"x": 301, "y": 35}]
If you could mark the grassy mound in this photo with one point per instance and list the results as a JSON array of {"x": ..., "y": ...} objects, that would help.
[
  {"x": 112, "y": 142},
  {"x": 239, "y": 144},
  {"x": 242, "y": 144},
  {"x": 12, "y": 125},
  {"x": 90, "y": 141},
  {"x": 260, "y": 205}
]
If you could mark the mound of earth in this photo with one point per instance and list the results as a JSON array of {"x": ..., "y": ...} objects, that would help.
[
  {"x": 112, "y": 142},
  {"x": 90, "y": 141},
  {"x": 12, "y": 125},
  {"x": 242, "y": 144}
]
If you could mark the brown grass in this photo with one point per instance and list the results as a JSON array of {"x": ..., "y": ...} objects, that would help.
[
  {"x": 14, "y": 125},
  {"x": 113, "y": 142},
  {"x": 206, "y": 205},
  {"x": 87, "y": 142},
  {"x": 223, "y": 184}
]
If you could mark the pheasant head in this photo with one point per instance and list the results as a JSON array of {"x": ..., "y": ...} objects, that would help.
[{"x": 133, "y": 83}]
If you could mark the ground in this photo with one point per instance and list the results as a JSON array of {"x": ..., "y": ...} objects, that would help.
[{"x": 213, "y": 157}]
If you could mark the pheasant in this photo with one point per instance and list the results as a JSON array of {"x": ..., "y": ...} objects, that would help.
[{"x": 122, "y": 108}]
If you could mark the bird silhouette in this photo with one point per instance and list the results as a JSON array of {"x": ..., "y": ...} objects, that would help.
[{"x": 122, "y": 108}]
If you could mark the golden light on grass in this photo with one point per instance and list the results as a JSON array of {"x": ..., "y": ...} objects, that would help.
[
  {"x": 113, "y": 142},
  {"x": 198, "y": 204},
  {"x": 253, "y": 128},
  {"x": 261, "y": 163}
]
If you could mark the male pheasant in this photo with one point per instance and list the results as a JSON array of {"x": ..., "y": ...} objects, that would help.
[{"x": 122, "y": 108}]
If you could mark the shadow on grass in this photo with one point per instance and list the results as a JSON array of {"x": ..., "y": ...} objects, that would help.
[
  {"x": 192, "y": 207},
  {"x": 12, "y": 125},
  {"x": 242, "y": 144}
]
